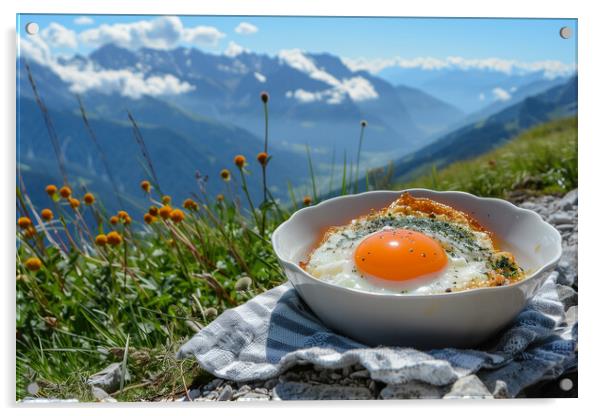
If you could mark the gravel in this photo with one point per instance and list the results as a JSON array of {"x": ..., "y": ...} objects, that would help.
[
  {"x": 314, "y": 383},
  {"x": 469, "y": 387}
]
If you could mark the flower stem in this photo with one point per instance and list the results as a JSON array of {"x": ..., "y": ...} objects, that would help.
[
  {"x": 357, "y": 163},
  {"x": 263, "y": 172},
  {"x": 246, "y": 191}
]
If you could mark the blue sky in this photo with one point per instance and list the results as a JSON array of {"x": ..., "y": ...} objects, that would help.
[{"x": 514, "y": 39}]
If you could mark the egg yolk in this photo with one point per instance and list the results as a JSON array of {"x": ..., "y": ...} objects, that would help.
[{"x": 399, "y": 255}]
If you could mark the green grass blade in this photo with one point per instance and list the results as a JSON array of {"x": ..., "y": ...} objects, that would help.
[{"x": 312, "y": 175}]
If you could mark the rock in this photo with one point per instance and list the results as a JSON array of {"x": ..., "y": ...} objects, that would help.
[
  {"x": 241, "y": 391},
  {"x": 412, "y": 390},
  {"x": 360, "y": 374},
  {"x": 567, "y": 270},
  {"x": 500, "y": 390},
  {"x": 529, "y": 205},
  {"x": 561, "y": 218},
  {"x": 306, "y": 391},
  {"x": 99, "y": 394},
  {"x": 226, "y": 394},
  {"x": 468, "y": 387},
  {"x": 109, "y": 399},
  {"x": 33, "y": 388},
  {"x": 324, "y": 376},
  {"x": 194, "y": 393},
  {"x": 569, "y": 200},
  {"x": 567, "y": 296},
  {"x": 571, "y": 315},
  {"x": 109, "y": 379},
  {"x": 372, "y": 386},
  {"x": 211, "y": 395},
  {"x": 289, "y": 377},
  {"x": 213, "y": 384},
  {"x": 346, "y": 371},
  {"x": 335, "y": 376},
  {"x": 271, "y": 383},
  {"x": 252, "y": 396}
]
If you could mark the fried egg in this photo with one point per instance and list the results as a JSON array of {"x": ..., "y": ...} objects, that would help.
[{"x": 416, "y": 246}]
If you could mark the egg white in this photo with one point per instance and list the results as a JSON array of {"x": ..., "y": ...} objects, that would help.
[{"x": 468, "y": 252}]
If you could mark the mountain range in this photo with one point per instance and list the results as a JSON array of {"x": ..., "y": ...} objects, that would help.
[
  {"x": 490, "y": 132},
  {"x": 315, "y": 100}
]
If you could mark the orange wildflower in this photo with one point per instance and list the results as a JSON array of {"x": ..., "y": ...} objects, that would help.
[
  {"x": 114, "y": 219},
  {"x": 165, "y": 211},
  {"x": 219, "y": 197},
  {"x": 177, "y": 215},
  {"x": 307, "y": 200},
  {"x": 47, "y": 214},
  {"x": 74, "y": 203},
  {"x": 114, "y": 238},
  {"x": 24, "y": 222},
  {"x": 65, "y": 192},
  {"x": 153, "y": 210},
  {"x": 240, "y": 161},
  {"x": 148, "y": 218},
  {"x": 89, "y": 198},
  {"x": 33, "y": 263},
  {"x": 190, "y": 204},
  {"x": 262, "y": 158},
  {"x": 101, "y": 240},
  {"x": 146, "y": 186},
  {"x": 51, "y": 190},
  {"x": 166, "y": 199}
]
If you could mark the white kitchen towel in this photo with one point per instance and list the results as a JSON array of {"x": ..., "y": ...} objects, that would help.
[{"x": 276, "y": 330}]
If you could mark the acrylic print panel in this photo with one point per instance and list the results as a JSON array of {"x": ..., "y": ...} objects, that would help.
[{"x": 156, "y": 156}]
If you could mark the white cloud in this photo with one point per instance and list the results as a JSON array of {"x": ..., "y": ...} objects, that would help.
[
  {"x": 481, "y": 97},
  {"x": 245, "y": 28},
  {"x": 551, "y": 69},
  {"x": 501, "y": 94},
  {"x": 260, "y": 77},
  {"x": 203, "y": 36},
  {"x": 125, "y": 82},
  {"x": 330, "y": 96},
  {"x": 357, "y": 88},
  {"x": 304, "y": 96},
  {"x": 34, "y": 48},
  {"x": 58, "y": 36},
  {"x": 161, "y": 33},
  {"x": 83, "y": 20},
  {"x": 296, "y": 59},
  {"x": 234, "y": 49},
  {"x": 85, "y": 78}
]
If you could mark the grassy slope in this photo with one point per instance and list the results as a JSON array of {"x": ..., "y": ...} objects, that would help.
[
  {"x": 98, "y": 309},
  {"x": 541, "y": 160}
]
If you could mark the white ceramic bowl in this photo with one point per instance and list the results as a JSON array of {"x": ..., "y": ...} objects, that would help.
[{"x": 457, "y": 319}]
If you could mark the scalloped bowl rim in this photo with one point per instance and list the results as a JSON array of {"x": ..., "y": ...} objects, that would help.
[{"x": 542, "y": 269}]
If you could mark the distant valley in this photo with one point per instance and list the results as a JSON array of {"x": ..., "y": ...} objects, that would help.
[{"x": 315, "y": 101}]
